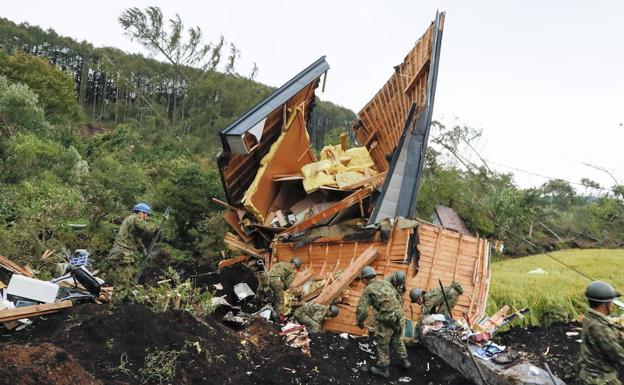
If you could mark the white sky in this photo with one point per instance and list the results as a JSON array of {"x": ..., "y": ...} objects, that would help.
[{"x": 543, "y": 79}]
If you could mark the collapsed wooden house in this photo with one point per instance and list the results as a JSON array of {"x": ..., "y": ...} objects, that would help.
[{"x": 338, "y": 216}]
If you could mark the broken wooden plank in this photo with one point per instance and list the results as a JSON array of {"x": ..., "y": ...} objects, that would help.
[
  {"x": 224, "y": 204},
  {"x": 14, "y": 267},
  {"x": 235, "y": 244},
  {"x": 233, "y": 261},
  {"x": 347, "y": 276},
  {"x": 329, "y": 212},
  {"x": 2, "y": 285},
  {"x": 32, "y": 311},
  {"x": 372, "y": 180},
  {"x": 231, "y": 217},
  {"x": 301, "y": 277}
]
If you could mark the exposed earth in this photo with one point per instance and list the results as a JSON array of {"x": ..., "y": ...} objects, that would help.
[{"x": 97, "y": 344}]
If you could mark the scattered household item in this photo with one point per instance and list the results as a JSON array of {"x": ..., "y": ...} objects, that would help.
[
  {"x": 538, "y": 271},
  {"x": 31, "y": 288},
  {"x": 242, "y": 291}
]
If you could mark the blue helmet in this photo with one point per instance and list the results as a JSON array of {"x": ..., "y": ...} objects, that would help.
[{"x": 142, "y": 208}]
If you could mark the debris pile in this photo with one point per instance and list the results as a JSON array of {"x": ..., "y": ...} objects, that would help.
[
  {"x": 347, "y": 207},
  {"x": 26, "y": 297}
]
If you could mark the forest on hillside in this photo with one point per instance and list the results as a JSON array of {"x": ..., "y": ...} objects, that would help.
[{"x": 87, "y": 132}]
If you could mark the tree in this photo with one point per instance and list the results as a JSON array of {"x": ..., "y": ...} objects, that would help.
[
  {"x": 150, "y": 29},
  {"x": 19, "y": 109},
  {"x": 55, "y": 89}
]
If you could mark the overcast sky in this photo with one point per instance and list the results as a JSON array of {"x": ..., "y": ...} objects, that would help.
[{"x": 544, "y": 80}]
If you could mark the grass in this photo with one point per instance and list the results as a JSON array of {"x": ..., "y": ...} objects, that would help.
[{"x": 558, "y": 295}]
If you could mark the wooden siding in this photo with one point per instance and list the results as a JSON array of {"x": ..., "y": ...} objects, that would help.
[{"x": 444, "y": 254}]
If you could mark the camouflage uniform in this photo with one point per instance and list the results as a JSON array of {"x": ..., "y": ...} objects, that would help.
[
  {"x": 311, "y": 315},
  {"x": 433, "y": 302},
  {"x": 382, "y": 296},
  {"x": 127, "y": 251},
  {"x": 400, "y": 289},
  {"x": 602, "y": 350},
  {"x": 278, "y": 279}
]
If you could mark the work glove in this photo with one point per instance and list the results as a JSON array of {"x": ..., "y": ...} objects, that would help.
[{"x": 360, "y": 324}]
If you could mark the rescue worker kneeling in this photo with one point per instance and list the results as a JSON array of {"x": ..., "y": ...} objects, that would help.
[
  {"x": 277, "y": 280},
  {"x": 382, "y": 296}
]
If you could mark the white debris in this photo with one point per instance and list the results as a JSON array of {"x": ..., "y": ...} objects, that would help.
[
  {"x": 32, "y": 288},
  {"x": 405, "y": 379},
  {"x": 572, "y": 334},
  {"x": 538, "y": 271},
  {"x": 344, "y": 336},
  {"x": 218, "y": 286},
  {"x": 243, "y": 291}
]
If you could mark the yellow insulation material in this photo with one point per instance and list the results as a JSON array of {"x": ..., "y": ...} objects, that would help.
[{"x": 337, "y": 168}]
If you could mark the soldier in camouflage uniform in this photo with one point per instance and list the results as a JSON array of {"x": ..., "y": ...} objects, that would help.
[
  {"x": 397, "y": 279},
  {"x": 602, "y": 348},
  {"x": 312, "y": 315},
  {"x": 432, "y": 301},
  {"x": 128, "y": 250},
  {"x": 277, "y": 280},
  {"x": 382, "y": 296}
]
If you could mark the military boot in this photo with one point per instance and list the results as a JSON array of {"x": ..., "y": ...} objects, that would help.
[
  {"x": 405, "y": 364},
  {"x": 380, "y": 371}
]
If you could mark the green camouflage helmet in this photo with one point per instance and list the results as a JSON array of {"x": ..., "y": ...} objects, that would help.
[
  {"x": 415, "y": 294},
  {"x": 368, "y": 272},
  {"x": 398, "y": 278},
  {"x": 600, "y": 291},
  {"x": 296, "y": 261},
  {"x": 333, "y": 311}
]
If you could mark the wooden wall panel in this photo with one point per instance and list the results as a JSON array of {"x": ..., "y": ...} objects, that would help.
[
  {"x": 383, "y": 117},
  {"x": 444, "y": 254}
]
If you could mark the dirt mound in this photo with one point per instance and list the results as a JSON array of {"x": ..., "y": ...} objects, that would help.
[
  {"x": 41, "y": 365},
  {"x": 131, "y": 345}
]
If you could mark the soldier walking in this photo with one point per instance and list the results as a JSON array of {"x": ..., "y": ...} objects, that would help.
[
  {"x": 381, "y": 296},
  {"x": 128, "y": 249}
]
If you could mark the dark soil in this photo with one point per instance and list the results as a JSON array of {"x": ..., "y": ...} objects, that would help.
[
  {"x": 562, "y": 351},
  {"x": 99, "y": 344}
]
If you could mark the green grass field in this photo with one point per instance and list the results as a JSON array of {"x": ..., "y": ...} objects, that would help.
[{"x": 558, "y": 295}]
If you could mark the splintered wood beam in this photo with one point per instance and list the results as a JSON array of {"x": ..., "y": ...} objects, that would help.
[
  {"x": 232, "y": 219},
  {"x": 332, "y": 291},
  {"x": 14, "y": 267},
  {"x": 233, "y": 261},
  {"x": 226, "y": 205},
  {"x": 235, "y": 244},
  {"x": 329, "y": 212},
  {"x": 301, "y": 277},
  {"x": 32, "y": 311}
]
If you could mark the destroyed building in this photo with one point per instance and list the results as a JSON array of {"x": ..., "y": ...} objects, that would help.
[{"x": 349, "y": 207}]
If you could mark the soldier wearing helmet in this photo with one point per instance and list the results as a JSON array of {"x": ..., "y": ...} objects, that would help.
[
  {"x": 602, "y": 347},
  {"x": 382, "y": 297},
  {"x": 277, "y": 280},
  {"x": 312, "y": 315},
  {"x": 397, "y": 279},
  {"x": 432, "y": 301},
  {"x": 129, "y": 249}
]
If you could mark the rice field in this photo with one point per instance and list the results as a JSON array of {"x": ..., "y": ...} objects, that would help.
[{"x": 558, "y": 294}]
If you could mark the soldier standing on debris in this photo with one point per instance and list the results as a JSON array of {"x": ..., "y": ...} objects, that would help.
[
  {"x": 432, "y": 301},
  {"x": 397, "y": 279},
  {"x": 128, "y": 249},
  {"x": 602, "y": 348},
  {"x": 312, "y": 315},
  {"x": 277, "y": 280},
  {"x": 382, "y": 296}
]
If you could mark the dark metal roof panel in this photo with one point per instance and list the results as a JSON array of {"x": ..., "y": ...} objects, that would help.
[{"x": 277, "y": 98}]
